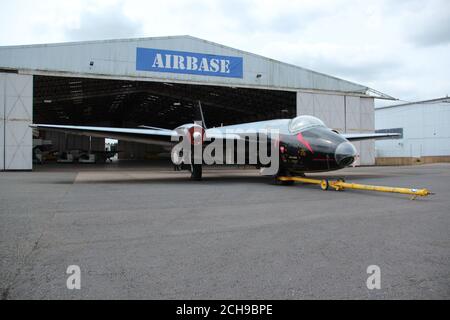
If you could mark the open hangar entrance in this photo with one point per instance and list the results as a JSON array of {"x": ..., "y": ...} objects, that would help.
[{"x": 124, "y": 103}]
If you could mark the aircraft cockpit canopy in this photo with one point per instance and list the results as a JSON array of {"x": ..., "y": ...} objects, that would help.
[{"x": 304, "y": 122}]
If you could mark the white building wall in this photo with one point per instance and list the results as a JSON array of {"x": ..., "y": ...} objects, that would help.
[
  {"x": 426, "y": 130},
  {"x": 17, "y": 93},
  {"x": 344, "y": 114}
]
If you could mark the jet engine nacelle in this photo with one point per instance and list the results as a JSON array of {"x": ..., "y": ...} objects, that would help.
[{"x": 194, "y": 134}]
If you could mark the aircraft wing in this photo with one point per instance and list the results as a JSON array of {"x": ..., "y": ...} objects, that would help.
[
  {"x": 368, "y": 136},
  {"x": 217, "y": 134},
  {"x": 149, "y": 136}
]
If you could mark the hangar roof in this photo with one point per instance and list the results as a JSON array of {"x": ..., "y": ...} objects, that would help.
[{"x": 182, "y": 59}]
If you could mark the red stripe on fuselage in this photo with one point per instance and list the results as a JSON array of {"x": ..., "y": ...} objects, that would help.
[{"x": 304, "y": 142}]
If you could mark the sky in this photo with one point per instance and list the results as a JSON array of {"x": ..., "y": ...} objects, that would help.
[{"x": 398, "y": 47}]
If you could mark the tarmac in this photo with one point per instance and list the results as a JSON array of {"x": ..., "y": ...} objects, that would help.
[{"x": 147, "y": 232}]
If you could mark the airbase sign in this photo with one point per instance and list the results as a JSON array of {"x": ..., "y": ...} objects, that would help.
[{"x": 158, "y": 60}]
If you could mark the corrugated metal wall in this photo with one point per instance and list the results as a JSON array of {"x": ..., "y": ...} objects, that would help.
[
  {"x": 117, "y": 58},
  {"x": 17, "y": 116},
  {"x": 344, "y": 114}
]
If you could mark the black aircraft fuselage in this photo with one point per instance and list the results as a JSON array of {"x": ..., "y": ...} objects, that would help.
[{"x": 314, "y": 150}]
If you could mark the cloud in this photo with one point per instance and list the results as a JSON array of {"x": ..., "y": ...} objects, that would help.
[
  {"x": 264, "y": 16},
  {"x": 434, "y": 32},
  {"x": 400, "y": 47},
  {"x": 110, "y": 22},
  {"x": 423, "y": 23}
]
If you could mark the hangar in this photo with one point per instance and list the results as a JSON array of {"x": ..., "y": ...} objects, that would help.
[{"x": 158, "y": 82}]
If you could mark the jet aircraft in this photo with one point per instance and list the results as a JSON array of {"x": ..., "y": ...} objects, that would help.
[{"x": 305, "y": 144}]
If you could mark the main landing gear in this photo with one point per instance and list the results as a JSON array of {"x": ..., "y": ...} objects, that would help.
[{"x": 196, "y": 172}]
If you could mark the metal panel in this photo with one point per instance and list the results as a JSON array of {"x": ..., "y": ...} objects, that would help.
[
  {"x": 330, "y": 109},
  {"x": 352, "y": 113},
  {"x": 367, "y": 114},
  {"x": 2, "y": 121},
  {"x": 327, "y": 107},
  {"x": 18, "y": 117},
  {"x": 305, "y": 103}
]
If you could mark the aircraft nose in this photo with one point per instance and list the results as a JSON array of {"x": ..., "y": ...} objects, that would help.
[{"x": 345, "y": 154}]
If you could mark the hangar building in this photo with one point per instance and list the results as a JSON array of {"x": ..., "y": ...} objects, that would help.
[
  {"x": 425, "y": 132},
  {"x": 158, "y": 82}
]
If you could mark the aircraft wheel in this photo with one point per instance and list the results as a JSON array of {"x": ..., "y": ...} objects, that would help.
[
  {"x": 283, "y": 173},
  {"x": 196, "y": 172},
  {"x": 324, "y": 185},
  {"x": 285, "y": 183}
]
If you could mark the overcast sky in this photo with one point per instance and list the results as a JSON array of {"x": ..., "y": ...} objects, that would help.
[{"x": 399, "y": 47}]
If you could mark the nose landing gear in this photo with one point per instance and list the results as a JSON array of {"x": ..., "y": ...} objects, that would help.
[{"x": 289, "y": 181}]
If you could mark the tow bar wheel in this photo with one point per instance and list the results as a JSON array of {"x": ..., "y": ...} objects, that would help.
[{"x": 324, "y": 184}]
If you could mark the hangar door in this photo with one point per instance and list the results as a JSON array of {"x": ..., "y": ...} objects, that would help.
[
  {"x": 347, "y": 114},
  {"x": 16, "y": 111}
]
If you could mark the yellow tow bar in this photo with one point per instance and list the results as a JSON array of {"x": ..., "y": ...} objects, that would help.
[{"x": 340, "y": 184}]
